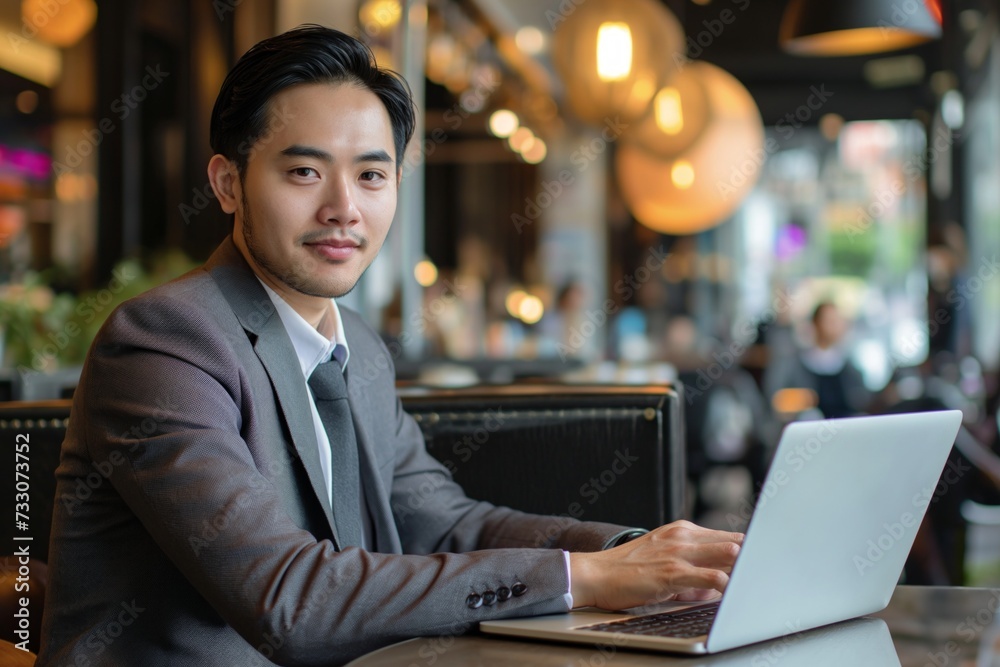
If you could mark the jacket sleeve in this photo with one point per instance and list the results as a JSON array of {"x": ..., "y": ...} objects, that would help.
[
  {"x": 187, "y": 466},
  {"x": 432, "y": 513}
]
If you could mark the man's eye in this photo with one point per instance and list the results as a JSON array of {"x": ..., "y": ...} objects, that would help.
[
  {"x": 304, "y": 172},
  {"x": 371, "y": 176}
]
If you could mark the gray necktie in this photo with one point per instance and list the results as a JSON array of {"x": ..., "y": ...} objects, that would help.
[{"x": 330, "y": 392}]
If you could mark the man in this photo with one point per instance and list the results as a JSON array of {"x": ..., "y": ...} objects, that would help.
[
  {"x": 228, "y": 527},
  {"x": 824, "y": 367}
]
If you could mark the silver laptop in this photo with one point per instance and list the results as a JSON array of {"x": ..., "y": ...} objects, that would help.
[{"x": 833, "y": 525}]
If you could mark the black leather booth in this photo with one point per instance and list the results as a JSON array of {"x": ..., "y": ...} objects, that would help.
[
  {"x": 593, "y": 452},
  {"x": 600, "y": 453}
]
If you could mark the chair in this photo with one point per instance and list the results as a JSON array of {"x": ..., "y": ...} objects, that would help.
[
  {"x": 727, "y": 433},
  {"x": 43, "y": 426},
  {"x": 597, "y": 453},
  {"x": 11, "y": 656},
  {"x": 592, "y": 452},
  {"x": 48, "y": 385}
]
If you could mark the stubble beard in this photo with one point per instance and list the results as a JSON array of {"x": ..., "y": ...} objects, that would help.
[{"x": 295, "y": 279}]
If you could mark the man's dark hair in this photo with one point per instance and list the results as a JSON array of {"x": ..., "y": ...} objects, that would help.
[{"x": 307, "y": 54}]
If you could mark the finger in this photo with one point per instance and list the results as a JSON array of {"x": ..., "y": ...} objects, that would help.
[
  {"x": 696, "y": 595},
  {"x": 696, "y": 533},
  {"x": 717, "y": 555},
  {"x": 705, "y": 535},
  {"x": 698, "y": 577}
]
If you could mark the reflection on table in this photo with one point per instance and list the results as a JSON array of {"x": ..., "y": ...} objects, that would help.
[{"x": 922, "y": 626}]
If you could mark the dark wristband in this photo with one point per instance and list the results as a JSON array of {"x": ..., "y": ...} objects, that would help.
[{"x": 622, "y": 538}]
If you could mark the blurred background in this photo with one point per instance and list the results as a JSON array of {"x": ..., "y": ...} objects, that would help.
[{"x": 789, "y": 208}]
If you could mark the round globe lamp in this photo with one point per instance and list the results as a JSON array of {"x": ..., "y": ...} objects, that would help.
[
  {"x": 701, "y": 188},
  {"x": 61, "y": 23},
  {"x": 678, "y": 115},
  {"x": 615, "y": 55}
]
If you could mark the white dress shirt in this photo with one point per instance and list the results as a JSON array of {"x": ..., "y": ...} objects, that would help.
[{"x": 313, "y": 348}]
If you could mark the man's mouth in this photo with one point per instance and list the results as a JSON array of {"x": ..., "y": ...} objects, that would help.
[{"x": 334, "y": 249}]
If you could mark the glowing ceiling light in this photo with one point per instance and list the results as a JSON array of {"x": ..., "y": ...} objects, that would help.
[
  {"x": 381, "y": 13},
  {"x": 503, "y": 123},
  {"x": 536, "y": 152},
  {"x": 531, "y": 309},
  {"x": 530, "y": 39},
  {"x": 614, "y": 51},
  {"x": 513, "y": 301},
  {"x": 425, "y": 272},
  {"x": 521, "y": 139},
  {"x": 669, "y": 113},
  {"x": 682, "y": 174}
]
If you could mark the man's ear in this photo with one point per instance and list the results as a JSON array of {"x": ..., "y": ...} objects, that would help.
[
  {"x": 399, "y": 176},
  {"x": 225, "y": 182}
]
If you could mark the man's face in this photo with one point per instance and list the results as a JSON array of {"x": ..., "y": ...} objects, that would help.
[
  {"x": 319, "y": 192},
  {"x": 830, "y": 326}
]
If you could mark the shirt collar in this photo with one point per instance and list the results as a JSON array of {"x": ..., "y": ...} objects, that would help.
[{"x": 311, "y": 347}]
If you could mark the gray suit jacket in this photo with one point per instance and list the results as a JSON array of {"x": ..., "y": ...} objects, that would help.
[{"x": 191, "y": 525}]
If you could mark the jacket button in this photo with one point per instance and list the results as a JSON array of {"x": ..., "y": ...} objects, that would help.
[
  {"x": 489, "y": 597},
  {"x": 474, "y": 601},
  {"x": 503, "y": 594},
  {"x": 518, "y": 589}
]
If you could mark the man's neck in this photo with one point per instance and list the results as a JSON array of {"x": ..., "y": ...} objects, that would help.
[{"x": 315, "y": 310}]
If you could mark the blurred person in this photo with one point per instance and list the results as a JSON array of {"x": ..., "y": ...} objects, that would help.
[
  {"x": 824, "y": 367},
  {"x": 255, "y": 493},
  {"x": 560, "y": 327}
]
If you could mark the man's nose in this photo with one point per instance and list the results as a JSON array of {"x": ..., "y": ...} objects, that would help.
[{"x": 339, "y": 205}]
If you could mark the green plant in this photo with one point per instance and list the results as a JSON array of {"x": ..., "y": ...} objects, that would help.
[{"x": 43, "y": 330}]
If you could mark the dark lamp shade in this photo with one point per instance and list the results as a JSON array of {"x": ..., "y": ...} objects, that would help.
[{"x": 857, "y": 27}]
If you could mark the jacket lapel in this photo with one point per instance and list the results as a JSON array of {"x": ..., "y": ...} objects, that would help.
[{"x": 256, "y": 313}]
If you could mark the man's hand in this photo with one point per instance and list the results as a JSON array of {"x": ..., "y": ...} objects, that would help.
[{"x": 679, "y": 561}]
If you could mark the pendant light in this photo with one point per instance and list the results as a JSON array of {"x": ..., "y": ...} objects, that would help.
[{"x": 856, "y": 27}]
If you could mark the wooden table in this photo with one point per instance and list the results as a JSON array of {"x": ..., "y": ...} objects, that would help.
[{"x": 921, "y": 627}]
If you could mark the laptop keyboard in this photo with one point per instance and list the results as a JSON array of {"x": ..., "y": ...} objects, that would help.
[{"x": 693, "y": 622}]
